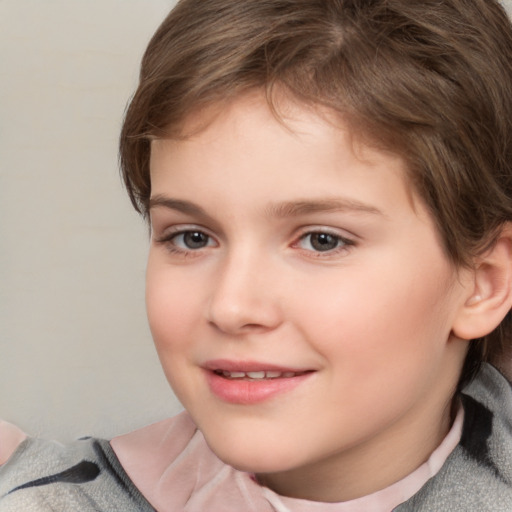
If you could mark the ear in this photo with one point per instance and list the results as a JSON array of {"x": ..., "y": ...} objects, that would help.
[{"x": 490, "y": 291}]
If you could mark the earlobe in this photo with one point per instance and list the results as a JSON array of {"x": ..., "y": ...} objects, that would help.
[{"x": 490, "y": 294}]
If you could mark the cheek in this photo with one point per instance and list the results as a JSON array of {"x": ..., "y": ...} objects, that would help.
[
  {"x": 172, "y": 314},
  {"x": 369, "y": 318},
  {"x": 171, "y": 306}
]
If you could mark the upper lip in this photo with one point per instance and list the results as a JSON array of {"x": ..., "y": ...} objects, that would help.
[{"x": 249, "y": 366}]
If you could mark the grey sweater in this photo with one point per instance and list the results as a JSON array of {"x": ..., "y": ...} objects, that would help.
[{"x": 87, "y": 476}]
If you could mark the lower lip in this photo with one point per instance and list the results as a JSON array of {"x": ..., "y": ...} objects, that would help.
[{"x": 247, "y": 392}]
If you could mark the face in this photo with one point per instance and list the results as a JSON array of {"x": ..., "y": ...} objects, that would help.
[{"x": 300, "y": 301}]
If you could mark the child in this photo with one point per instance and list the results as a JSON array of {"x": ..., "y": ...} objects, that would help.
[{"x": 329, "y": 190}]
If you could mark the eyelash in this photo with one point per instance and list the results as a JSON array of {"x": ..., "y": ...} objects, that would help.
[
  {"x": 343, "y": 244},
  {"x": 168, "y": 240}
]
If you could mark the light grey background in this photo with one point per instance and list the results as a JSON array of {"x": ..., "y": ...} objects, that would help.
[{"x": 76, "y": 356}]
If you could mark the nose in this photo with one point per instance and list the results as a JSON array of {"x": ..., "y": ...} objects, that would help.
[{"x": 245, "y": 297}]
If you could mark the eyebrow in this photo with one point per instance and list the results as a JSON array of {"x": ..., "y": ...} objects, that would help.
[
  {"x": 303, "y": 207},
  {"x": 278, "y": 210},
  {"x": 176, "y": 204}
]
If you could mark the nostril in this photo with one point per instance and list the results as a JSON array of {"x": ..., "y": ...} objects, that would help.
[
  {"x": 241, "y": 328},
  {"x": 241, "y": 303}
]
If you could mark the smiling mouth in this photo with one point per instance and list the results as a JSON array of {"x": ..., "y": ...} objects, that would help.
[
  {"x": 258, "y": 376},
  {"x": 251, "y": 383}
]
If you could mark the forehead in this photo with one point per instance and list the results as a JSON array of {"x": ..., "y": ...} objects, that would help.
[
  {"x": 278, "y": 113},
  {"x": 285, "y": 131}
]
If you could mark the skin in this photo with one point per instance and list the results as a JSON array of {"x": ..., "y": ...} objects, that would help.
[{"x": 371, "y": 317}]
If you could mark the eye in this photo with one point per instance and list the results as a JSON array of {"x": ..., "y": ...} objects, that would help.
[
  {"x": 191, "y": 240},
  {"x": 322, "y": 241}
]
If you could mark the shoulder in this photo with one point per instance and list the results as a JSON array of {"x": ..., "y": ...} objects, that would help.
[
  {"x": 10, "y": 438},
  {"x": 84, "y": 475},
  {"x": 166, "y": 466},
  {"x": 487, "y": 435},
  {"x": 478, "y": 473}
]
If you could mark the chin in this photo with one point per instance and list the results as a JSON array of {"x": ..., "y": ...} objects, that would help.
[{"x": 253, "y": 459}]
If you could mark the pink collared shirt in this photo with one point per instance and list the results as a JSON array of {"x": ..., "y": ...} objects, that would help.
[{"x": 173, "y": 467}]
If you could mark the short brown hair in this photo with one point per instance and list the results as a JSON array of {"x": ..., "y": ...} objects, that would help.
[{"x": 429, "y": 79}]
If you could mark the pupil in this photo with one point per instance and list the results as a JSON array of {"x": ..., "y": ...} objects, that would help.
[
  {"x": 323, "y": 241},
  {"x": 195, "y": 239}
]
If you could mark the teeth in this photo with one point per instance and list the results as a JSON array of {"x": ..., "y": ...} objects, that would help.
[
  {"x": 256, "y": 375},
  {"x": 234, "y": 375}
]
